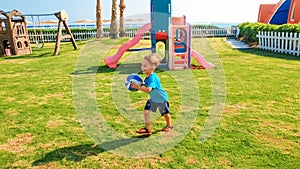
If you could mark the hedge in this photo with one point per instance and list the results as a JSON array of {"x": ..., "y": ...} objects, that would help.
[{"x": 248, "y": 31}]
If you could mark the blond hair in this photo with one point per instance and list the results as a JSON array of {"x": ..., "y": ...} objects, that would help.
[{"x": 154, "y": 59}]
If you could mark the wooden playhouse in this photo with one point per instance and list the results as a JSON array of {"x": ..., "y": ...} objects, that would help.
[{"x": 14, "y": 39}]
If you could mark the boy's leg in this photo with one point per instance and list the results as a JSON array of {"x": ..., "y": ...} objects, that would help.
[
  {"x": 168, "y": 119},
  {"x": 167, "y": 116},
  {"x": 147, "y": 119},
  {"x": 169, "y": 125},
  {"x": 147, "y": 111}
]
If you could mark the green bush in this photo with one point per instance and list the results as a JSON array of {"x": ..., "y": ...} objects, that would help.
[{"x": 248, "y": 31}]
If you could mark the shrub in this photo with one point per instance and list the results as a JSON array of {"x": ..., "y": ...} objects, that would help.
[{"x": 248, "y": 31}]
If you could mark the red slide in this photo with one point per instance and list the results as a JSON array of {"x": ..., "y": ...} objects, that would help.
[
  {"x": 112, "y": 61},
  {"x": 201, "y": 60}
]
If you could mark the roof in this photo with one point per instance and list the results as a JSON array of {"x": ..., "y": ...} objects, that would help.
[{"x": 265, "y": 11}]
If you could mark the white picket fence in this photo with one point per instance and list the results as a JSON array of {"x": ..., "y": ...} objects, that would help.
[
  {"x": 89, "y": 34},
  {"x": 281, "y": 42}
]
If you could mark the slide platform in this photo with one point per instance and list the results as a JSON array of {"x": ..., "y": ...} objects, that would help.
[
  {"x": 112, "y": 61},
  {"x": 200, "y": 59}
]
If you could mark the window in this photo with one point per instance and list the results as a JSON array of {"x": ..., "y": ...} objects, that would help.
[
  {"x": 160, "y": 48},
  {"x": 26, "y": 44},
  {"x": 19, "y": 44},
  {"x": 2, "y": 26},
  {"x": 20, "y": 29}
]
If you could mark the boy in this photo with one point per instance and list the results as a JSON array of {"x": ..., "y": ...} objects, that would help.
[{"x": 158, "y": 96}]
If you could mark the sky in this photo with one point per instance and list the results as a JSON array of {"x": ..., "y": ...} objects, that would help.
[{"x": 210, "y": 11}]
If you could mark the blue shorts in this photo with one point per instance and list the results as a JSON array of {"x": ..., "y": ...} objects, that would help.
[{"x": 162, "y": 107}]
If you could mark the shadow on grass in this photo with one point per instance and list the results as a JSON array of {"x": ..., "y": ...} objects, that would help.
[
  {"x": 93, "y": 70},
  {"x": 270, "y": 54},
  {"x": 46, "y": 51},
  {"x": 30, "y": 56},
  {"x": 80, "y": 152},
  {"x": 122, "y": 68}
]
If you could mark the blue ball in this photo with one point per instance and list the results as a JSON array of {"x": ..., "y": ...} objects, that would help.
[{"x": 135, "y": 78}]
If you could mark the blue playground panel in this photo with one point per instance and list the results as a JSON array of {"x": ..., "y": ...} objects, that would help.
[
  {"x": 180, "y": 46},
  {"x": 161, "y": 15},
  {"x": 162, "y": 6}
]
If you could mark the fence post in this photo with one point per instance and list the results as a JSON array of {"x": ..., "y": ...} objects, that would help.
[
  {"x": 261, "y": 43},
  {"x": 268, "y": 41},
  {"x": 293, "y": 43},
  {"x": 265, "y": 40},
  {"x": 285, "y": 43},
  {"x": 272, "y": 41},
  {"x": 261, "y": 40},
  {"x": 46, "y": 36},
  {"x": 276, "y": 37},
  {"x": 258, "y": 37},
  {"x": 280, "y": 45},
  {"x": 289, "y": 44},
  {"x": 298, "y": 42}
]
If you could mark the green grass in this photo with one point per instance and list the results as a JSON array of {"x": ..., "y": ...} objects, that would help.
[{"x": 40, "y": 127}]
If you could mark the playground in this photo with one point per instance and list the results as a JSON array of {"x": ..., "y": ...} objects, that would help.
[
  {"x": 258, "y": 129},
  {"x": 231, "y": 107}
]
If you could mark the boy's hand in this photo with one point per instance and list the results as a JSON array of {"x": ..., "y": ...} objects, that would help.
[
  {"x": 135, "y": 85},
  {"x": 141, "y": 88}
]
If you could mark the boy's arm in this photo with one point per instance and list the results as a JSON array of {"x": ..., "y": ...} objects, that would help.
[{"x": 141, "y": 88}]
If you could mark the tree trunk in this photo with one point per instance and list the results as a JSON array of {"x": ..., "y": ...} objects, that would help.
[
  {"x": 99, "y": 19},
  {"x": 114, "y": 21},
  {"x": 122, "y": 25}
]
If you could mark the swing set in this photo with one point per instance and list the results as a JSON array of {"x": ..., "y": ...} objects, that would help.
[
  {"x": 62, "y": 17},
  {"x": 36, "y": 39}
]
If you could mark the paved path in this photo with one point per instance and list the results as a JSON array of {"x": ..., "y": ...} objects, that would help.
[{"x": 237, "y": 44}]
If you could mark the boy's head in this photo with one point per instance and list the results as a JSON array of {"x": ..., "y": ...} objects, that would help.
[
  {"x": 153, "y": 59},
  {"x": 150, "y": 62}
]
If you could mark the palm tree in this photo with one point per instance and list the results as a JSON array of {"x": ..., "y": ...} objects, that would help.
[
  {"x": 122, "y": 7},
  {"x": 99, "y": 19},
  {"x": 114, "y": 21}
]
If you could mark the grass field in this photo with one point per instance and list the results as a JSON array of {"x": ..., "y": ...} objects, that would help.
[{"x": 46, "y": 122}]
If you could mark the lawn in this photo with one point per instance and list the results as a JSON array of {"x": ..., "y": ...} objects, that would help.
[{"x": 71, "y": 111}]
